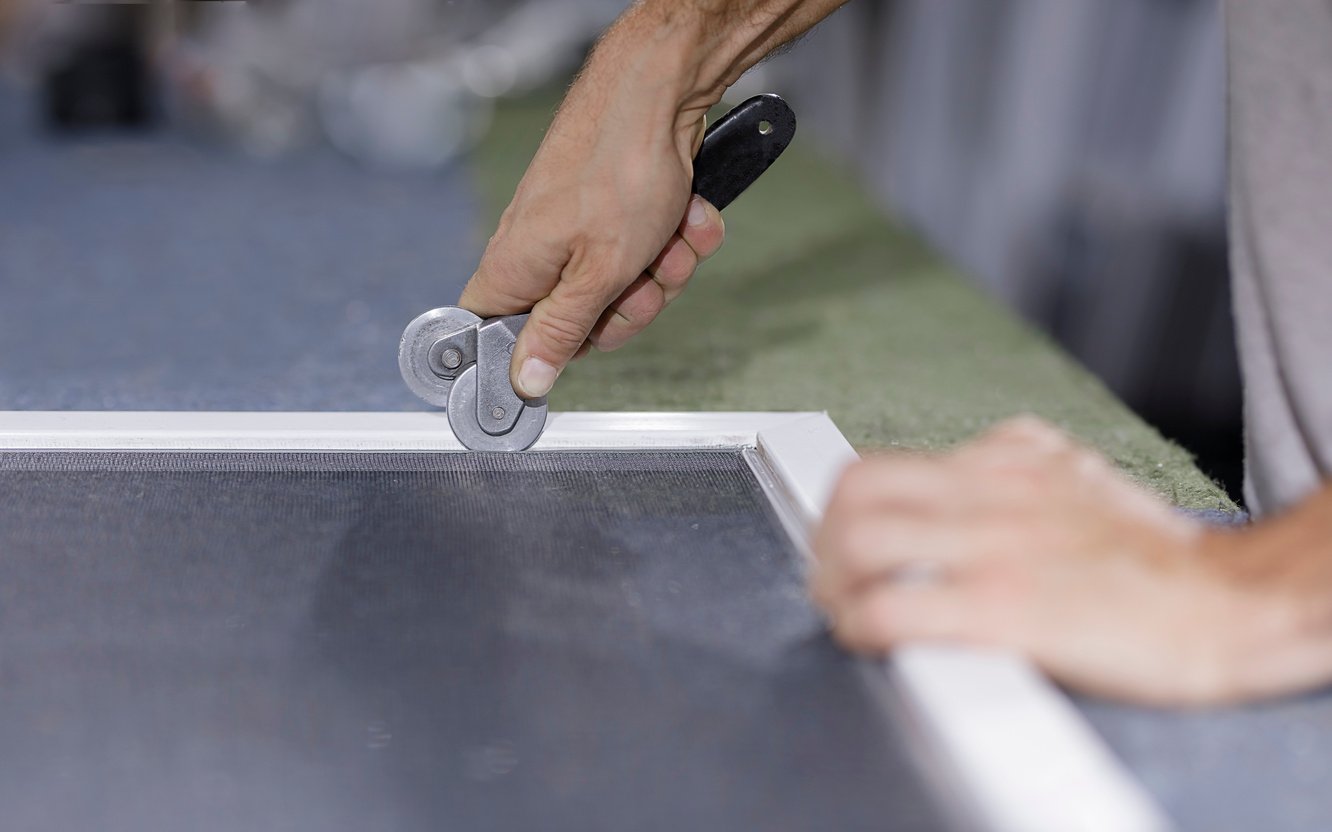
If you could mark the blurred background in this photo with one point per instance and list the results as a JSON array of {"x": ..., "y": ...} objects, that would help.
[{"x": 1068, "y": 155}]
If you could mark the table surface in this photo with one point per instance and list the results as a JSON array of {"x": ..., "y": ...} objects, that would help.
[{"x": 159, "y": 272}]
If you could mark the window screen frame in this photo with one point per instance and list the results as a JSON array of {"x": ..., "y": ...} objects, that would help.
[{"x": 1002, "y": 746}]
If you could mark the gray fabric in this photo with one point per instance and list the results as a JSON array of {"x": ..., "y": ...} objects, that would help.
[
  {"x": 154, "y": 273},
  {"x": 1281, "y": 241},
  {"x": 1264, "y": 766},
  {"x": 1260, "y": 768},
  {"x": 414, "y": 641}
]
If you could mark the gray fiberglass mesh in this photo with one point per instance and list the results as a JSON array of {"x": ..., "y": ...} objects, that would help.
[{"x": 422, "y": 641}]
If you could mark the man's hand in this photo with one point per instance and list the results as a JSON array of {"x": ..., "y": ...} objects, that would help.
[
  {"x": 1026, "y": 541},
  {"x": 602, "y": 232}
]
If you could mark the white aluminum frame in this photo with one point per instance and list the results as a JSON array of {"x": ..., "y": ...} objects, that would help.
[{"x": 1008, "y": 750}]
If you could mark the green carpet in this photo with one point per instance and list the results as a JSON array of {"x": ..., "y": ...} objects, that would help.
[{"x": 819, "y": 302}]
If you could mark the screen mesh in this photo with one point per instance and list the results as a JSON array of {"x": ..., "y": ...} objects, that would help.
[{"x": 422, "y": 641}]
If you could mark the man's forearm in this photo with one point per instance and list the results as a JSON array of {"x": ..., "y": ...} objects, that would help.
[
  {"x": 1280, "y": 572},
  {"x": 694, "y": 50}
]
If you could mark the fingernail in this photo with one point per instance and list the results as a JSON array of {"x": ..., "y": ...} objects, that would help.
[
  {"x": 697, "y": 213},
  {"x": 536, "y": 378}
]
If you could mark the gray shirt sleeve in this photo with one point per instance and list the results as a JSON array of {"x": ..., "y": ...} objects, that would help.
[{"x": 1280, "y": 65}]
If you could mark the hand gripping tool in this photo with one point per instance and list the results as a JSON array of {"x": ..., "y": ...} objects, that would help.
[{"x": 455, "y": 360}]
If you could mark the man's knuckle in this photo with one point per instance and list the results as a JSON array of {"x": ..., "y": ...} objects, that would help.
[
  {"x": 712, "y": 238},
  {"x": 599, "y": 337},
  {"x": 675, "y": 271},
  {"x": 876, "y": 539},
  {"x": 882, "y": 620},
  {"x": 561, "y": 328},
  {"x": 1027, "y": 428},
  {"x": 649, "y": 300},
  {"x": 854, "y": 484},
  {"x": 1086, "y": 462},
  {"x": 854, "y": 546}
]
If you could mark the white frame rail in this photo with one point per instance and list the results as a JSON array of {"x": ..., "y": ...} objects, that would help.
[{"x": 1007, "y": 750}]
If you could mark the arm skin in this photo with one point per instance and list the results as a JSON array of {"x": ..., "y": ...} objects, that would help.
[
  {"x": 1024, "y": 540},
  {"x": 602, "y": 234},
  {"x": 9, "y": 12}
]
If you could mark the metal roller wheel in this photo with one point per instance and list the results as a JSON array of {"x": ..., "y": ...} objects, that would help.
[
  {"x": 467, "y": 427},
  {"x": 432, "y": 383}
]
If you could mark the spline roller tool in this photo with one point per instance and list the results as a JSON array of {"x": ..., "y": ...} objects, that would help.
[{"x": 458, "y": 361}]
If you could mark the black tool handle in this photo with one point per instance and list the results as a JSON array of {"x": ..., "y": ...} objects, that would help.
[{"x": 740, "y": 146}]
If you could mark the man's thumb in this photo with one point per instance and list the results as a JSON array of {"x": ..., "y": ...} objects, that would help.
[{"x": 558, "y": 326}]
